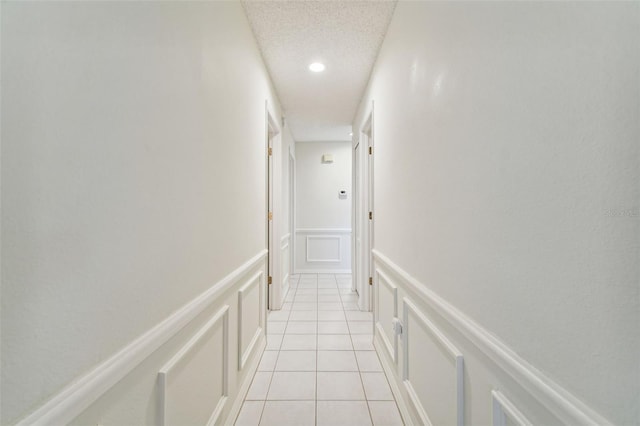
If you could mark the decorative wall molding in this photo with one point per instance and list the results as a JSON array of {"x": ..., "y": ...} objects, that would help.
[
  {"x": 323, "y": 231},
  {"x": 504, "y": 409},
  {"x": 322, "y": 271},
  {"x": 409, "y": 309},
  {"x": 196, "y": 341},
  {"x": 392, "y": 348},
  {"x": 337, "y": 238},
  {"x": 284, "y": 241},
  {"x": 79, "y": 395},
  {"x": 244, "y": 353},
  {"x": 322, "y": 250},
  {"x": 563, "y": 405}
]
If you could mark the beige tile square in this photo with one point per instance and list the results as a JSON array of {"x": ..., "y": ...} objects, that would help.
[
  {"x": 330, "y": 306},
  {"x": 334, "y": 342},
  {"x": 331, "y": 316},
  {"x": 385, "y": 413},
  {"x": 333, "y": 327},
  {"x": 274, "y": 341},
  {"x": 339, "y": 386},
  {"x": 292, "y": 386},
  {"x": 296, "y": 361},
  {"x": 303, "y": 316},
  {"x": 376, "y": 387},
  {"x": 276, "y": 327},
  {"x": 304, "y": 306},
  {"x": 343, "y": 413},
  {"x": 293, "y": 342},
  {"x": 301, "y": 327},
  {"x": 289, "y": 413},
  {"x": 359, "y": 316},
  {"x": 337, "y": 361},
  {"x": 362, "y": 342},
  {"x": 329, "y": 299},
  {"x": 360, "y": 327},
  {"x": 368, "y": 361}
]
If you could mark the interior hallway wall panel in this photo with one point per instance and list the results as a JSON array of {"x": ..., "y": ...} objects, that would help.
[
  {"x": 323, "y": 221},
  {"x": 133, "y": 183},
  {"x": 507, "y": 187}
]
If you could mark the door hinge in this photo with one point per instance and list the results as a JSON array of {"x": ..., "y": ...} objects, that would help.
[
  {"x": 270, "y": 151},
  {"x": 370, "y": 150},
  {"x": 270, "y": 215},
  {"x": 269, "y": 280},
  {"x": 370, "y": 215},
  {"x": 370, "y": 281}
]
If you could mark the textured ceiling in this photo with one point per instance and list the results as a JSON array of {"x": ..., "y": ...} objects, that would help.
[{"x": 344, "y": 35}]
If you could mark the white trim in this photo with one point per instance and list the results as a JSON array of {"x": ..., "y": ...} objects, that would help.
[
  {"x": 324, "y": 237},
  {"x": 246, "y": 383},
  {"x": 284, "y": 239},
  {"x": 79, "y": 395},
  {"x": 322, "y": 271},
  {"x": 558, "y": 400},
  {"x": 390, "y": 373},
  {"x": 415, "y": 402},
  {"x": 323, "y": 231},
  {"x": 244, "y": 354},
  {"x": 392, "y": 349},
  {"x": 222, "y": 314},
  {"x": 503, "y": 408},
  {"x": 449, "y": 348}
]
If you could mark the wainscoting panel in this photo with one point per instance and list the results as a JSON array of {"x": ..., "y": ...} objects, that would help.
[
  {"x": 386, "y": 300},
  {"x": 193, "y": 384},
  {"x": 433, "y": 370},
  {"x": 181, "y": 371},
  {"x": 449, "y": 370},
  {"x": 250, "y": 317},
  {"x": 323, "y": 250}
]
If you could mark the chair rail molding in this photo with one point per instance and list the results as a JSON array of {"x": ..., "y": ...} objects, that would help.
[
  {"x": 81, "y": 393},
  {"x": 555, "y": 399}
]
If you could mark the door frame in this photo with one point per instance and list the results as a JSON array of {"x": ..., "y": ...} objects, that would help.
[
  {"x": 272, "y": 137},
  {"x": 292, "y": 209},
  {"x": 363, "y": 225}
]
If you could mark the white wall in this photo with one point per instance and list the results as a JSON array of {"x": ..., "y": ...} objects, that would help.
[
  {"x": 133, "y": 172},
  {"x": 323, "y": 220},
  {"x": 507, "y": 192}
]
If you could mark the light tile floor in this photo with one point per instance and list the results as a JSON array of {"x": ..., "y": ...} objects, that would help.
[{"x": 319, "y": 367}]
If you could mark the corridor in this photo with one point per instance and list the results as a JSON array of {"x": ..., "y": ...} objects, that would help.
[{"x": 320, "y": 366}]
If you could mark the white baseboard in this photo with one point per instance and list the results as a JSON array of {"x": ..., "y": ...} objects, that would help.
[
  {"x": 393, "y": 380},
  {"x": 321, "y": 271},
  {"x": 244, "y": 387}
]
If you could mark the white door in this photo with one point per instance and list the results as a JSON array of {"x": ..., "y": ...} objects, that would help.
[{"x": 356, "y": 284}]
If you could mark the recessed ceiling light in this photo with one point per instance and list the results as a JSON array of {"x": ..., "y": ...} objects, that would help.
[
  {"x": 317, "y": 67},
  {"x": 350, "y": 133}
]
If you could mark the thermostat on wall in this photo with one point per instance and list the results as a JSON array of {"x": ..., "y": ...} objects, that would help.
[{"x": 327, "y": 158}]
